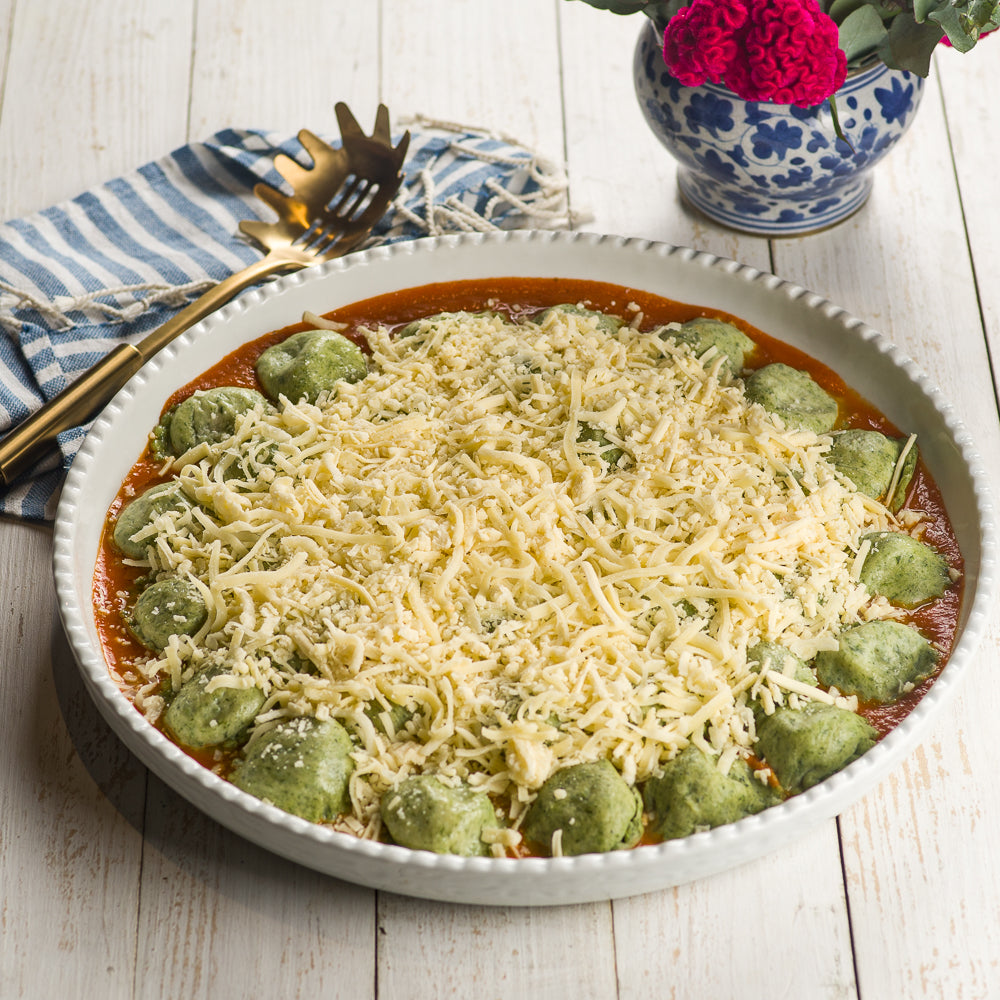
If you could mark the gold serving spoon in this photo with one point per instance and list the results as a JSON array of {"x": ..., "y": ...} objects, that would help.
[{"x": 333, "y": 207}]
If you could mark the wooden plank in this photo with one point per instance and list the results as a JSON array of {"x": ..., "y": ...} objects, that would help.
[
  {"x": 222, "y": 917},
  {"x": 724, "y": 936},
  {"x": 87, "y": 94},
  {"x": 258, "y": 65},
  {"x": 970, "y": 84},
  {"x": 6, "y": 35},
  {"x": 92, "y": 90},
  {"x": 619, "y": 170},
  {"x": 430, "y": 951},
  {"x": 70, "y": 803},
  {"x": 923, "y": 892},
  {"x": 462, "y": 61},
  {"x": 922, "y": 877}
]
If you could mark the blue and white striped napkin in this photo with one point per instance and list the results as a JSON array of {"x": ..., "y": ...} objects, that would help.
[{"x": 112, "y": 264}]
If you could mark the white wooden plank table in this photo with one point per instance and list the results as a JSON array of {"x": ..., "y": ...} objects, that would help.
[{"x": 111, "y": 886}]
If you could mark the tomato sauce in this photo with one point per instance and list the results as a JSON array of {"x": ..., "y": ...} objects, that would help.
[{"x": 519, "y": 298}]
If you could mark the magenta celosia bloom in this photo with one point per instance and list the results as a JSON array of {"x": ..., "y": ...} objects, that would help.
[
  {"x": 701, "y": 40},
  {"x": 790, "y": 55},
  {"x": 785, "y": 51}
]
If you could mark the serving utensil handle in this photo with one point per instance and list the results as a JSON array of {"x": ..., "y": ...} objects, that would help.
[
  {"x": 83, "y": 399},
  {"x": 76, "y": 404}
]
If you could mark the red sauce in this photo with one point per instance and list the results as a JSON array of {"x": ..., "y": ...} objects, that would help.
[{"x": 520, "y": 297}]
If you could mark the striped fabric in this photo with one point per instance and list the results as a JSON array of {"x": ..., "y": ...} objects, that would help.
[{"x": 120, "y": 259}]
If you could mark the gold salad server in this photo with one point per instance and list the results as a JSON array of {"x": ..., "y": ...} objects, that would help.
[{"x": 333, "y": 207}]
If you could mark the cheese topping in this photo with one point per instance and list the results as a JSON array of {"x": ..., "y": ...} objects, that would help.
[{"x": 512, "y": 548}]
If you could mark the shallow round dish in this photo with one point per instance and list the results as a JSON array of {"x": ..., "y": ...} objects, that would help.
[{"x": 856, "y": 352}]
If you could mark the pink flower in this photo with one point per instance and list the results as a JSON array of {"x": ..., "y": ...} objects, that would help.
[
  {"x": 790, "y": 55},
  {"x": 785, "y": 51},
  {"x": 701, "y": 40}
]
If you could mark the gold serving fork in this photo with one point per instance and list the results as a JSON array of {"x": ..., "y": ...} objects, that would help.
[{"x": 334, "y": 205}]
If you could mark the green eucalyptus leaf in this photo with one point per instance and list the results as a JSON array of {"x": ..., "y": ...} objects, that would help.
[
  {"x": 840, "y": 10},
  {"x": 861, "y": 33},
  {"x": 985, "y": 14},
  {"x": 658, "y": 11},
  {"x": 923, "y": 8},
  {"x": 620, "y": 6},
  {"x": 955, "y": 27},
  {"x": 909, "y": 45}
]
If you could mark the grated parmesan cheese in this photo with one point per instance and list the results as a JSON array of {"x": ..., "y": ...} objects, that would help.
[{"x": 440, "y": 536}]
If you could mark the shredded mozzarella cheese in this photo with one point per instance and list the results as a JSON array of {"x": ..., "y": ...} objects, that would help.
[{"x": 441, "y": 536}]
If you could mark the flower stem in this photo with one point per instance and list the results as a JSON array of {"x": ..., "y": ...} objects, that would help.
[{"x": 832, "y": 100}]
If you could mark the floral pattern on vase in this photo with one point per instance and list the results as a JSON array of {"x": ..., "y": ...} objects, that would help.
[{"x": 774, "y": 169}]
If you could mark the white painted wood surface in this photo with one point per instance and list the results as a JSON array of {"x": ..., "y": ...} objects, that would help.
[{"x": 112, "y": 887}]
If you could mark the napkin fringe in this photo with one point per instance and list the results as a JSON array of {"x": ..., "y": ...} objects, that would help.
[
  {"x": 543, "y": 204},
  {"x": 58, "y": 311}
]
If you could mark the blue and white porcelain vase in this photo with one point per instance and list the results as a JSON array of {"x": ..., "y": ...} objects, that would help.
[{"x": 774, "y": 169}]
